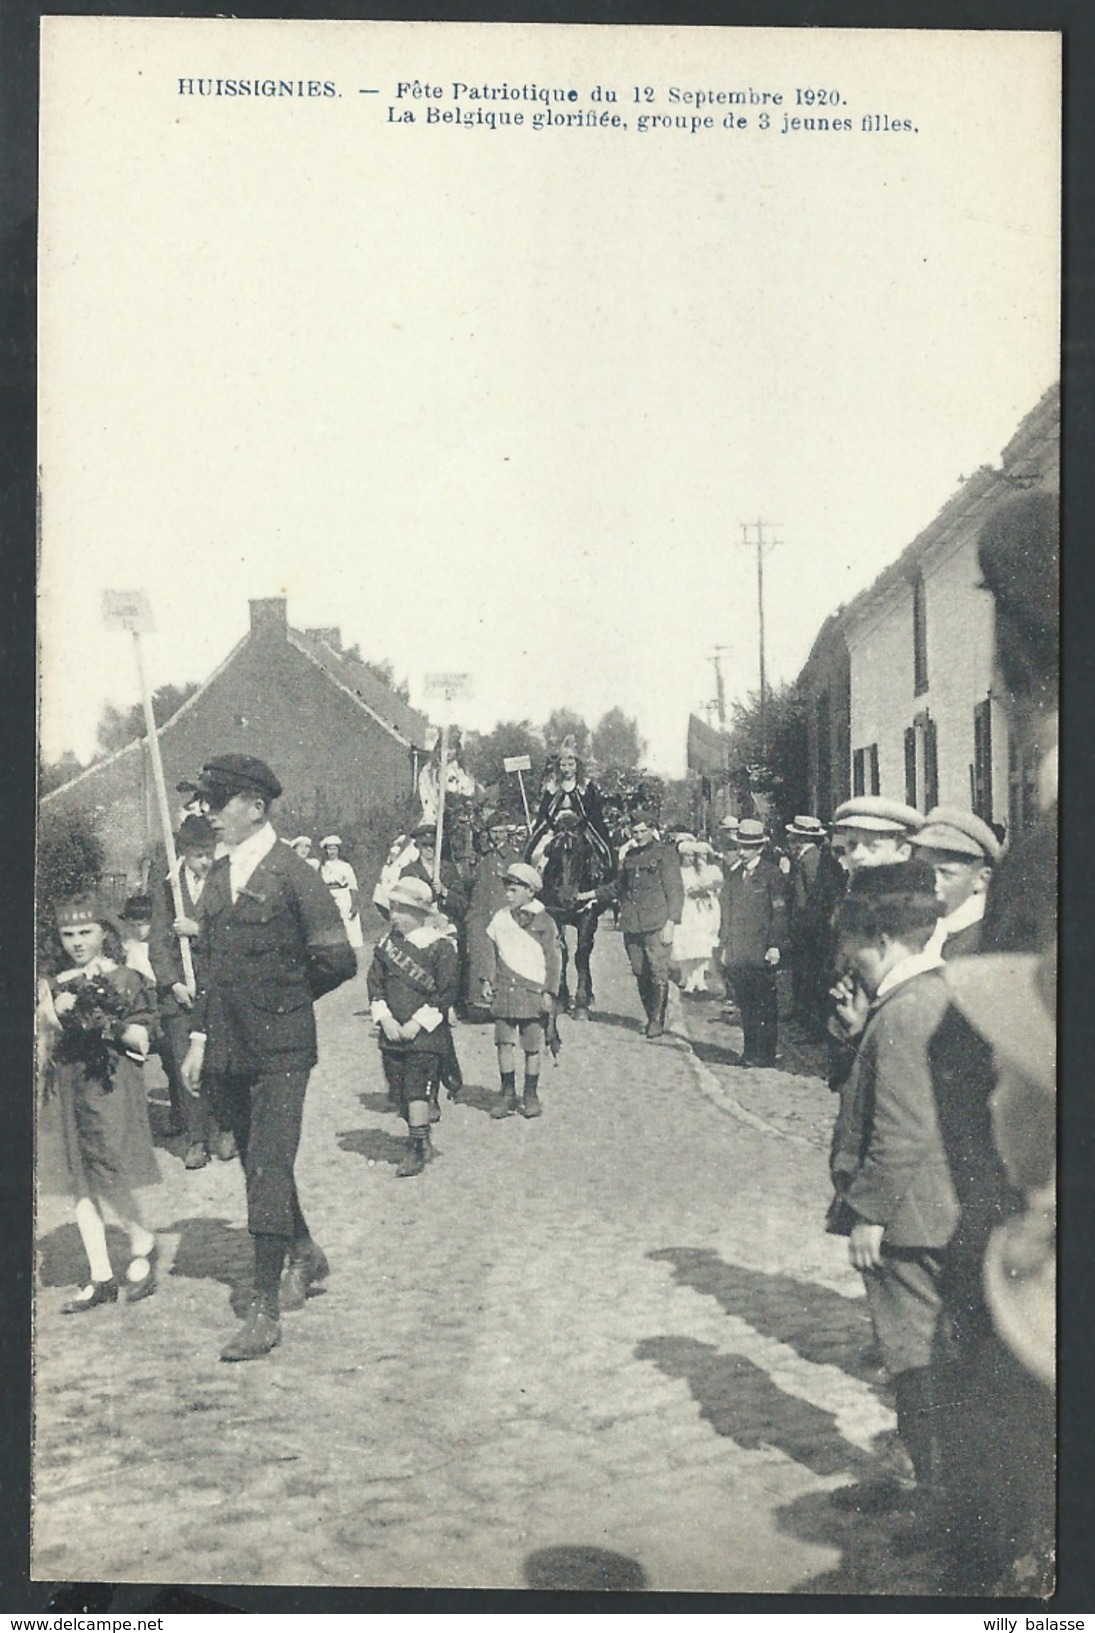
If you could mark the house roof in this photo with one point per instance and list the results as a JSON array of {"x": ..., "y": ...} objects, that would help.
[
  {"x": 375, "y": 698},
  {"x": 371, "y": 695},
  {"x": 1037, "y": 434}
]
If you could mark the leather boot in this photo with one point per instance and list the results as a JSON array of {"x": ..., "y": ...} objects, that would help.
[
  {"x": 419, "y": 1152},
  {"x": 307, "y": 1265},
  {"x": 655, "y": 1027},
  {"x": 530, "y": 1104},
  {"x": 260, "y": 1333},
  {"x": 507, "y": 1104}
]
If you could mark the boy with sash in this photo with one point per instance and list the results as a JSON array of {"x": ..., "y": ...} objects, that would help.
[
  {"x": 413, "y": 980},
  {"x": 521, "y": 984}
]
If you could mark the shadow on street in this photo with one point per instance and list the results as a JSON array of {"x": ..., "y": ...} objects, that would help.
[
  {"x": 742, "y": 1402},
  {"x": 817, "y": 1323},
  {"x": 578, "y": 1567}
]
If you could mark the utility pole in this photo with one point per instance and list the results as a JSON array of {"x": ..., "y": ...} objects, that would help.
[
  {"x": 720, "y": 690},
  {"x": 763, "y": 547}
]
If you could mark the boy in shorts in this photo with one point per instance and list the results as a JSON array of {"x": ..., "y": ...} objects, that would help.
[{"x": 520, "y": 984}]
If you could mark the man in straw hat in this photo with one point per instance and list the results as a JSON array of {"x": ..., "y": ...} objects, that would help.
[{"x": 272, "y": 943}]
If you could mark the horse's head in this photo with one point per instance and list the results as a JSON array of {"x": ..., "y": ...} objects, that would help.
[{"x": 572, "y": 864}]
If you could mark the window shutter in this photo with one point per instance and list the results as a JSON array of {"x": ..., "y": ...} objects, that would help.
[
  {"x": 931, "y": 766},
  {"x": 910, "y": 766},
  {"x": 872, "y": 755}
]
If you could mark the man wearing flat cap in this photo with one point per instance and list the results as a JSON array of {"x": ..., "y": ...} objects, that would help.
[
  {"x": 272, "y": 942},
  {"x": 963, "y": 851}
]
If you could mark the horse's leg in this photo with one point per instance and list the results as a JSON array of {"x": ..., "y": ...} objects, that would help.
[
  {"x": 564, "y": 953},
  {"x": 587, "y": 930}
]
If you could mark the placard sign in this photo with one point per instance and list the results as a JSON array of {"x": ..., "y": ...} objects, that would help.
[
  {"x": 518, "y": 762},
  {"x": 447, "y": 685},
  {"x": 127, "y": 609}
]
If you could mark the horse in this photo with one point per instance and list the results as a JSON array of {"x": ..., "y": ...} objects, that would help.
[{"x": 573, "y": 866}]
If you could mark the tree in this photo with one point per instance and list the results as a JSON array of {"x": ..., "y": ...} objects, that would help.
[
  {"x": 383, "y": 671},
  {"x": 616, "y": 740},
  {"x": 562, "y": 723},
  {"x": 773, "y": 762},
  {"x": 70, "y": 860},
  {"x": 53, "y": 774},
  {"x": 120, "y": 727},
  {"x": 486, "y": 752}
]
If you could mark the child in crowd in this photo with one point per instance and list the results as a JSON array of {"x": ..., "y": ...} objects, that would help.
[
  {"x": 412, "y": 982},
  {"x": 521, "y": 983},
  {"x": 895, "y": 1196},
  {"x": 100, "y": 1015}
]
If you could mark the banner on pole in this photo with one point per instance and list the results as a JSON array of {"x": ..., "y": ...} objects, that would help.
[
  {"x": 518, "y": 762},
  {"x": 127, "y": 609},
  {"x": 447, "y": 686}
]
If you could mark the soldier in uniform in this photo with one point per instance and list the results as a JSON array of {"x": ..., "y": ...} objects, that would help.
[
  {"x": 963, "y": 851},
  {"x": 272, "y": 942},
  {"x": 752, "y": 935},
  {"x": 651, "y": 896}
]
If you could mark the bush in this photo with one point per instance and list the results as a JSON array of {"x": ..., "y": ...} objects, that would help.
[{"x": 70, "y": 860}]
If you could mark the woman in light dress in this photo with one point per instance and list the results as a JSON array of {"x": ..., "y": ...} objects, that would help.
[{"x": 697, "y": 935}]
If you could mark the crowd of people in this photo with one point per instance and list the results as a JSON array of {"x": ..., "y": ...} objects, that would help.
[{"x": 921, "y": 954}]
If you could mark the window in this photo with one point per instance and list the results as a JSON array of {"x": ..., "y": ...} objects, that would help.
[
  {"x": 921, "y": 763},
  {"x": 920, "y": 636},
  {"x": 865, "y": 770},
  {"x": 874, "y": 782},
  {"x": 1022, "y": 786},
  {"x": 981, "y": 770}
]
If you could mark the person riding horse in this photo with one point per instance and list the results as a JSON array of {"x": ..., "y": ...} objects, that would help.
[{"x": 570, "y": 844}]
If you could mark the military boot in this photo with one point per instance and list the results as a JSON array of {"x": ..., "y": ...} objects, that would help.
[
  {"x": 260, "y": 1333},
  {"x": 655, "y": 1027}
]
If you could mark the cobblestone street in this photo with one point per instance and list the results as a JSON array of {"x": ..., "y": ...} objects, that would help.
[{"x": 620, "y": 1328}]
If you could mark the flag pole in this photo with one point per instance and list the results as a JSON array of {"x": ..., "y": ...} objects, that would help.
[{"x": 165, "y": 812}]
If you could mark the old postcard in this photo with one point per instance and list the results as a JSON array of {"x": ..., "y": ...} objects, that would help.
[{"x": 548, "y": 669}]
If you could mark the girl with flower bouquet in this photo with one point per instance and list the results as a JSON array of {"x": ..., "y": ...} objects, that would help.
[{"x": 98, "y": 1016}]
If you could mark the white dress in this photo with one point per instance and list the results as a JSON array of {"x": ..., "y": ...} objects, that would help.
[
  {"x": 341, "y": 881},
  {"x": 697, "y": 935}
]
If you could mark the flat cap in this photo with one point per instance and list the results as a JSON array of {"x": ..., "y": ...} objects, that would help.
[
  {"x": 195, "y": 833},
  {"x": 424, "y": 830},
  {"x": 525, "y": 874},
  {"x": 330, "y": 839},
  {"x": 958, "y": 833},
  {"x": 238, "y": 774},
  {"x": 877, "y": 814}
]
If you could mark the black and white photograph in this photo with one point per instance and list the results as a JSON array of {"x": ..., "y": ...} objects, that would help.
[{"x": 546, "y": 936}]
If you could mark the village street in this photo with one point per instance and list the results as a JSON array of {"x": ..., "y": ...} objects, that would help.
[{"x": 620, "y": 1329}]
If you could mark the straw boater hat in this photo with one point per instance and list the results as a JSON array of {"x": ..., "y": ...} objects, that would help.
[
  {"x": 751, "y": 833},
  {"x": 412, "y": 892},
  {"x": 525, "y": 874},
  {"x": 958, "y": 833},
  {"x": 806, "y": 827},
  {"x": 876, "y": 814}
]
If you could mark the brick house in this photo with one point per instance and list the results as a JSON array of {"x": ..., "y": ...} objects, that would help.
[
  {"x": 343, "y": 744},
  {"x": 899, "y": 683}
]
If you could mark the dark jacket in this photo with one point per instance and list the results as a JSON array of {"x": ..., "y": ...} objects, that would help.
[
  {"x": 413, "y": 973},
  {"x": 164, "y": 953},
  {"x": 965, "y": 942},
  {"x": 264, "y": 960},
  {"x": 889, "y": 1160},
  {"x": 651, "y": 892},
  {"x": 754, "y": 913}
]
